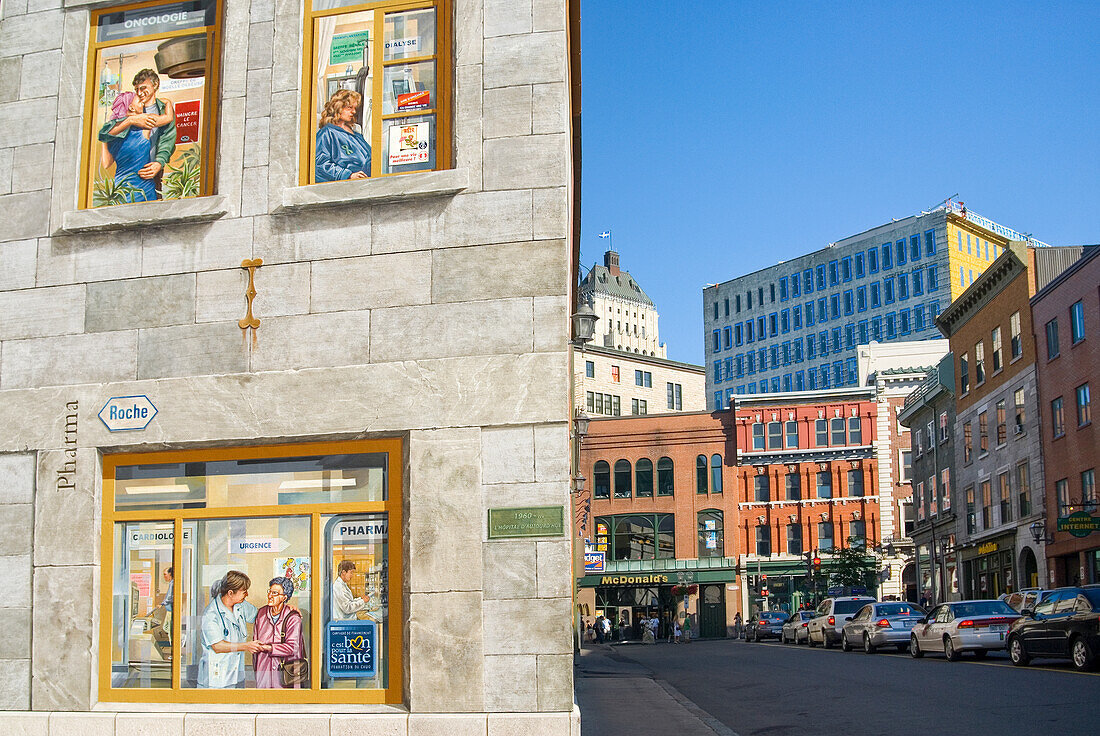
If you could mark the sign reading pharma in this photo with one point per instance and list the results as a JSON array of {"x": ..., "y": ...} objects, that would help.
[
  {"x": 122, "y": 413},
  {"x": 350, "y": 649}
]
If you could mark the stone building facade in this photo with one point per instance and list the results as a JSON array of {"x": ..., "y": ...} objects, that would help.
[
  {"x": 628, "y": 317},
  {"x": 417, "y": 322},
  {"x": 629, "y": 383}
]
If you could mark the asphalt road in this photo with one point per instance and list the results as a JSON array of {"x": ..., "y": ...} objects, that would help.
[{"x": 769, "y": 689}]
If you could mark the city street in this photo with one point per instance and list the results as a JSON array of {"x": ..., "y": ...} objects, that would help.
[{"x": 733, "y": 687}]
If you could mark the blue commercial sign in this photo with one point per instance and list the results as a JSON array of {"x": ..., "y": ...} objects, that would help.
[
  {"x": 350, "y": 649},
  {"x": 594, "y": 561},
  {"x": 122, "y": 413}
]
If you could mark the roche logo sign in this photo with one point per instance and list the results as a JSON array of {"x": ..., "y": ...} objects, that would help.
[{"x": 123, "y": 413}]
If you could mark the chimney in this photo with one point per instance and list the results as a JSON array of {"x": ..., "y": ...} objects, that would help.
[{"x": 611, "y": 261}]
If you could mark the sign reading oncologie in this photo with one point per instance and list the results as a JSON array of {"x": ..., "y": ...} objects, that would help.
[
  {"x": 350, "y": 648},
  {"x": 122, "y": 413}
]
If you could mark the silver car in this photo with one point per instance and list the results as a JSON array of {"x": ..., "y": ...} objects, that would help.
[
  {"x": 795, "y": 628},
  {"x": 831, "y": 616},
  {"x": 965, "y": 626},
  {"x": 881, "y": 624}
]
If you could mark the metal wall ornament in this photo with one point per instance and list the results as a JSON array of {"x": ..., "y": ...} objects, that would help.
[{"x": 250, "y": 321}]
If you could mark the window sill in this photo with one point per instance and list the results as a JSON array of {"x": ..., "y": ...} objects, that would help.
[
  {"x": 372, "y": 191},
  {"x": 144, "y": 214}
]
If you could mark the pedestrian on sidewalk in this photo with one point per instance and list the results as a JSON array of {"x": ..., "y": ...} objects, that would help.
[
  {"x": 676, "y": 633},
  {"x": 737, "y": 626},
  {"x": 599, "y": 628}
]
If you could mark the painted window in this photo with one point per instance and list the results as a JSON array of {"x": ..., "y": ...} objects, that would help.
[
  {"x": 711, "y": 535},
  {"x": 150, "y": 118},
  {"x": 214, "y": 548},
  {"x": 375, "y": 89}
]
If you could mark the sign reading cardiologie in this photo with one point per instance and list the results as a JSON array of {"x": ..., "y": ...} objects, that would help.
[{"x": 350, "y": 649}]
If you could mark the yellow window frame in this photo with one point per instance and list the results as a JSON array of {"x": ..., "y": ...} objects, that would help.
[
  {"x": 441, "y": 108},
  {"x": 315, "y": 694},
  {"x": 210, "y": 100}
]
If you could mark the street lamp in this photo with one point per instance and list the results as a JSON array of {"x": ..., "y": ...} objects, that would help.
[
  {"x": 584, "y": 324},
  {"x": 1038, "y": 533}
]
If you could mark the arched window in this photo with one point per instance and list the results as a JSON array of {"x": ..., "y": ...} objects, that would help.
[
  {"x": 643, "y": 477},
  {"x": 601, "y": 480},
  {"x": 701, "y": 474},
  {"x": 794, "y": 539},
  {"x": 711, "y": 535},
  {"x": 633, "y": 538},
  {"x": 666, "y": 536},
  {"x": 622, "y": 479},
  {"x": 715, "y": 473},
  {"x": 664, "y": 477}
]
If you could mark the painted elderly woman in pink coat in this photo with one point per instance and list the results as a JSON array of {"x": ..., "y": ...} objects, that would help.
[{"x": 279, "y": 626}]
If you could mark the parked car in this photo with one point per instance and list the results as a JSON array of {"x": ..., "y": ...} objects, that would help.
[
  {"x": 831, "y": 616},
  {"x": 795, "y": 627},
  {"x": 765, "y": 625},
  {"x": 964, "y": 626},
  {"x": 1064, "y": 624},
  {"x": 1026, "y": 598},
  {"x": 881, "y": 624}
]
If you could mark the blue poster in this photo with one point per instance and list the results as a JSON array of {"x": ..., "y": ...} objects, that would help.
[{"x": 350, "y": 648}]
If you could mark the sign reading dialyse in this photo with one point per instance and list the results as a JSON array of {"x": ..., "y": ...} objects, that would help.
[
  {"x": 350, "y": 649},
  {"x": 530, "y": 521}
]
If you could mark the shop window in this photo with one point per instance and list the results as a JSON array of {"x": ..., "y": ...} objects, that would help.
[
  {"x": 375, "y": 89},
  {"x": 643, "y": 478},
  {"x": 664, "y": 477},
  {"x": 151, "y": 118},
  {"x": 711, "y": 535},
  {"x": 701, "y": 474},
  {"x": 715, "y": 473},
  {"x": 622, "y": 479},
  {"x": 216, "y": 592},
  {"x": 601, "y": 479}
]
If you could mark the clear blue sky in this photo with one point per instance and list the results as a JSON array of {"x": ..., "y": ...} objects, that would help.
[{"x": 721, "y": 137}]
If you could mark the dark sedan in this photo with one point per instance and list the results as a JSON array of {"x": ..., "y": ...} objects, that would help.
[
  {"x": 1063, "y": 625},
  {"x": 765, "y": 625}
]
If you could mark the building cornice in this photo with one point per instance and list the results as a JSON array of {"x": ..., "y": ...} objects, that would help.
[{"x": 1007, "y": 266}]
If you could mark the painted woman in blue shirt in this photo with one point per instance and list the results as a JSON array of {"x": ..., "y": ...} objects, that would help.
[{"x": 342, "y": 151}]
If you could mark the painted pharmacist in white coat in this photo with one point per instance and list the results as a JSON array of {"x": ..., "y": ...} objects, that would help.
[{"x": 345, "y": 604}]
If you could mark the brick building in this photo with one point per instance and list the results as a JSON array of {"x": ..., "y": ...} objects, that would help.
[{"x": 1066, "y": 315}]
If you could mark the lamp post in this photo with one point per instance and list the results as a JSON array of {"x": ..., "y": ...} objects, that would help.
[{"x": 584, "y": 327}]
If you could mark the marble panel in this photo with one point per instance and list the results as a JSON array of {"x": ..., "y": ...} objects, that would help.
[
  {"x": 7, "y": 159},
  {"x": 231, "y": 153},
  {"x": 543, "y": 55},
  {"x": 444, "y": 527},
  {"x": 259, "y": 93},
  {"x": 26, "y": 34},
  {"x": 555, "y": 567},
  {"x": 18, "y": 262},
  {"x": 256, "y": 141},
  {"x": 16, "y": 528},
  {"x": 192, "y": 350},
  {"x": 552, "y": 452},
  {"x": 25, "y": 215},
  {"x": 551, "y": 211},
  {"x": 34, "y": 6},
  {"x": 508, "y": 455},
  {"x": 312, "y": 340},
  {"x": 149, "y": 724},
  {"x": 219, "y": 724},
  {"x": 450, "y": 330},
  {"x": 234, "y": 66},
  {"x": 13, "y": 8},
  {"x": 520, "y": 672},
  {"x": 445, "y": 662},
  {"x": 66, "y": 508},
  {"x": 11, "y": 69},
  {"x": 525, "y": 724},
  {"x": 382, "y": 724},
  {"x": 548, "y": 15},
  {"x": 526, "y": 162},
  {"x": 19, "y": 724},
  {"x": 370, "y": 282},
  {"x": 70, "y": 94},
  {"x": 551, "y": 323},
  {"x": 17, "y": 475},
  {"x": 156, "y": 301},
  {"x": 507, "y": 17},
  {"x": 544, "y": 622},
  {"x": 14, "y": 116},
  {"x": 316, "y": 235},
  {"x": 469, "y": 31},
  {"x": 550, "y": 108},
  {"x": 139, "y": 215},
  {"x": 62, "y": 679},
  {"x": 285, "y": 73},
  {"x": 507, "y": 111},
  {"x": 283, "y": 289},
  {"x": 82, "y": 724},
  {"x": 405, "y": 226},
  {"x": 69, "y": 359},
  {"x": 292, "y": 724},
  {"x": 489, "y": 217},
  {"x": 363, "y": 192},
  {"x": 70, "y": 259},
  {"x": 40, "y": 74},
  {"x": 203, "y": 247},
  {"x": 500, "y": 495},
  {"x": 254, "y": 199},
  {"x": 426, "y": 724},
  {"x": 469, "y": 122},
  {"x": 15, "y": 633},
  {"x": 261, "y": 39},
  {"x": 261, "y": 10},
  {"x": 509, "y": 570},
  {"x": 17, "y": 580},
  {"x": 284, "y": 144},
  {"x": 57, "y": 310},
  {"x": 555, "y": 678},
  {"x": 32, "y": 168},
  {"x": 500, "y": 271}
]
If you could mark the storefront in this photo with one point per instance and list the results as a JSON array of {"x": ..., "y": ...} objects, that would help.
[
  {"x": 989, "y": 568},
  {"x": 632, "y": 596}
]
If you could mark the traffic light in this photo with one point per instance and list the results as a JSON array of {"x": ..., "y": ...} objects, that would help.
[
  {"x": 809, "y": 557},
  {"x": 817, "y": 564},
  {"x": 764, "y": 585}
]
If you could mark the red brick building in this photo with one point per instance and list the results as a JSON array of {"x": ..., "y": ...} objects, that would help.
[{"x": 1066, "y": 316}]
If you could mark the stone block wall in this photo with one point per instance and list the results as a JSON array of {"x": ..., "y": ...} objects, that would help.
[{"x": 432, "y": 307}]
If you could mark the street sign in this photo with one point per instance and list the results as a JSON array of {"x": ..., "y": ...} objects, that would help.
[{"x": 123, "y": 413}]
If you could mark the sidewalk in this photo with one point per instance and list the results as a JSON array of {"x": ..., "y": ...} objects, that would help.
[{"x": 619, "y": 697}]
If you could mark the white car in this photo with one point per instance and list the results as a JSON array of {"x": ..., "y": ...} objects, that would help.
[
  {"x": 832, "y": 614},
  {"x": 965, "y": 626}
]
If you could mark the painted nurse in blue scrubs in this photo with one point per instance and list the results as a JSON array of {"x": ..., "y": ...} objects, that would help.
[{"x": 342, "y": 151}]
